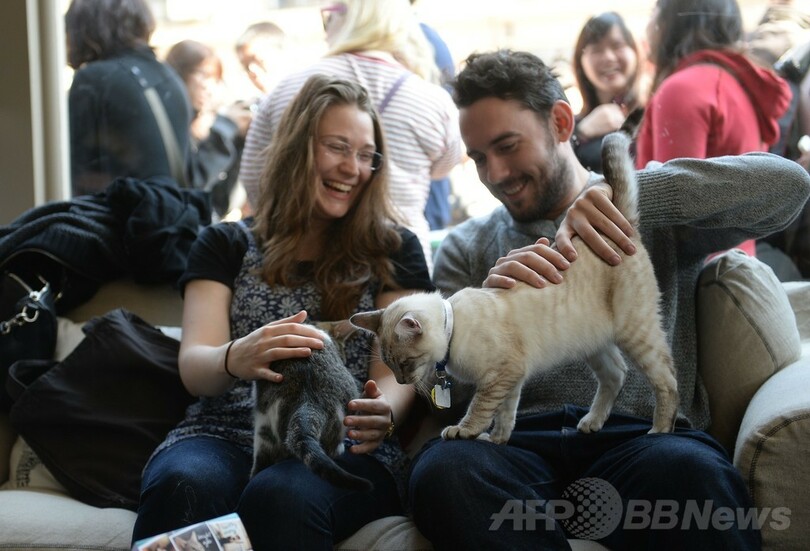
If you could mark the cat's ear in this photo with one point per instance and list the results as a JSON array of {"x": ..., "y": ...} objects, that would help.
[
  {"x": 367, "y": 320},
  {"x": 338, "y": 330},
  {"x": 408, "y": 326}
]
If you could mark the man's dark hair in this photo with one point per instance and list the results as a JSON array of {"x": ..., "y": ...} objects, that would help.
[
  {"x": 508, "y": 75},
  {"x": 99, "y": 29}
]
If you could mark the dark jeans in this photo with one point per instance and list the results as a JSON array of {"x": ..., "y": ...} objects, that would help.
[
  {"x": 621, "y": 486},
  {"x": 285, "y": 506}
]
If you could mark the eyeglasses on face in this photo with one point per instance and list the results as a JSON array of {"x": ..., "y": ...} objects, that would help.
[
  {"x": 370, "y": 160},
  {"x": 328, "y": 11}
]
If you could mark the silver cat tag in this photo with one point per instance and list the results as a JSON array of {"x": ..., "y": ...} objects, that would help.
[{"x": 441, "y": 396}]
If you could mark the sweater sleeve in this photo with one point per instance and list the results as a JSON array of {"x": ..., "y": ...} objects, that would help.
[{"x": 720, "y": 202}]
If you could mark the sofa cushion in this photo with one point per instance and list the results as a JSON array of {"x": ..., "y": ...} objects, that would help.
[
  {"x": 771, "y": 454},
  {"x": 395, "y": 532},
  {"x": 746, "y": 333},
  {"x": 798, "y": 293},
  {"x": 26, "y": 471},
  {"x": 43, "y": 521}
]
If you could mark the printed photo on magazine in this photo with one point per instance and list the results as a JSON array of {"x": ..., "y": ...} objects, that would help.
[{"x": 224, "y": 533}]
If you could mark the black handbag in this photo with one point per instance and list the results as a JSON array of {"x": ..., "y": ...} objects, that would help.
[
  {"x": 28, "y": 325},
  {"x": 94, "y": 418}
]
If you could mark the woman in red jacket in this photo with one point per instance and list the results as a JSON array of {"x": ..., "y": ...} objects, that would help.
[{"x": 708, "y": 98}]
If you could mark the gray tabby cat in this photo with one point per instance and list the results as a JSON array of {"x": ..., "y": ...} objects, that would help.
[
  {"x": 495, "y": 339},
  {"x": 303, "y": 416}
]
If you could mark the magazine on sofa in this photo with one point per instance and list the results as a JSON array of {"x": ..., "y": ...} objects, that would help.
[{"x": 224, "y": 533}]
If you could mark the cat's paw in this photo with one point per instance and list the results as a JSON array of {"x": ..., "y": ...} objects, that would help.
[
  {"x": 661, "y": 429},
  {"x": 498, "y": 436},
  {"x": 457, "y": 432},
  {"x": 591, "y": 423}
]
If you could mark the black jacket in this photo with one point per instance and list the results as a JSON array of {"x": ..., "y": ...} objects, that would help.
[
  {"x": 138, "y": 228},
  {"x": 112, "y": 129}
]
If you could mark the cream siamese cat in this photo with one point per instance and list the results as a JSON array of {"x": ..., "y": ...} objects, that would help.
[{"x": 495, "y": 339}]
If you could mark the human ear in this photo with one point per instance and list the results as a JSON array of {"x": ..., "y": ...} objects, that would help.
[{"x": 562, "y": 120}]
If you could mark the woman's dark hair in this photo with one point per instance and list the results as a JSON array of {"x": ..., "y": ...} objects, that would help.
[
  {"x": 508, "y": 75},
  {"x": 687, "y": 26},
  {"x": 187, "y": 55},
  {"x": 594, "y": 30},
  {"x": 98, "y": 29}
]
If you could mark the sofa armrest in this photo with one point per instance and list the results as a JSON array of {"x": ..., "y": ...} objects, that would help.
[
  {"x": 156, "y": 304},
  {"x": 771, "y": 453}
]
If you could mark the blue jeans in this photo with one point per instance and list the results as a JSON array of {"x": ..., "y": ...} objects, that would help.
[
  {"x": 285, "y": 506},
  {"x": 621, "y": 486}
]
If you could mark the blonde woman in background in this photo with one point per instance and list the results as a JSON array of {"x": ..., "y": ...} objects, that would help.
[{"x": 381, "y": 46}]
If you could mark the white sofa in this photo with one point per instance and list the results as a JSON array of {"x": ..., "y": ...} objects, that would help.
[{"x": 755, "y": 360}]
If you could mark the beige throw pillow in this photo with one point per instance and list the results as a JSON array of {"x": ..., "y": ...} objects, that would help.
[{"x": 746, "y": 333}]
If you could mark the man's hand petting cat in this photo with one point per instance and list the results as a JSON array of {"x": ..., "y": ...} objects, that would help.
[
  {"x": 369, "y": 419},
  {"x": 252, "y": 356},
  {"x": 536, "y": 265},
  {"x": 592, "y": 217}
]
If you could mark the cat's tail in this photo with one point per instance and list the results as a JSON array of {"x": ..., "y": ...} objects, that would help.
[
  {"x": 620, "y": 173},
  {"x": 303, "y": 441}
]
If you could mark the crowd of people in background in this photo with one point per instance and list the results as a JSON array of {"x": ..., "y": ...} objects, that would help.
[{"x": 614, "y": 72}]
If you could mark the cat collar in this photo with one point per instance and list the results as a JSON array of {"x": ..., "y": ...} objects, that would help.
[
  {"x": 441, "y": 390},
  {"x": 448, "y": 331}
]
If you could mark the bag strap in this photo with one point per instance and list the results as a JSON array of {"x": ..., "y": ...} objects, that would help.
[
  {"x": 176, "y": 164},
  {"x": 30, "y": 309},
  {"x": 384, "y": 103}
]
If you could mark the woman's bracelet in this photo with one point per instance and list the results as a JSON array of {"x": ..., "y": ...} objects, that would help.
[{"x": 227, "y": 353}]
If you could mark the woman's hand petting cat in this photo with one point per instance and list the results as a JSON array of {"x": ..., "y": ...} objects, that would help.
[
  {"x": 592, "y": 217},
  {"x": 536, "y": 265},
  {"x": 252, "y": 356},
  {"x": 369, "y": 419}
]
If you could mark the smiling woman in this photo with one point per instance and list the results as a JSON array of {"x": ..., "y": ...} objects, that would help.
[
  {"x": 344, "y": 161},
  {"x": 324, "y": 245},
  {"x": 606, "y": 68}
]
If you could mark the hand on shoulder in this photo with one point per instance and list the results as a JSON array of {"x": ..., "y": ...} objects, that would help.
[{"x": 593, "y": 217}]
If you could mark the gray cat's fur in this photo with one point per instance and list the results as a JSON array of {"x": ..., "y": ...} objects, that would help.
[
  {"x": 303, "y": 416},
  {"x": 501, "y": 336}
]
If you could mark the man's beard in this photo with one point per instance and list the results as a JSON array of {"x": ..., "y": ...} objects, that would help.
[{"x": 558, "y": 179}]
